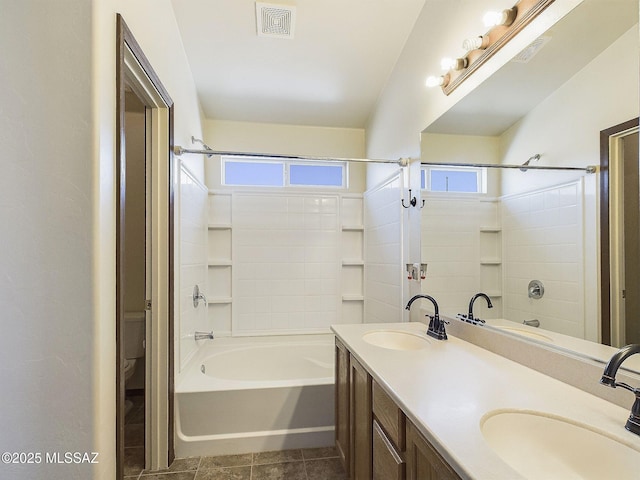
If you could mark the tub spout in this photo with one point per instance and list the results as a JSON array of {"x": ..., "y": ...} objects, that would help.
[{"x": 203, "y": 335}]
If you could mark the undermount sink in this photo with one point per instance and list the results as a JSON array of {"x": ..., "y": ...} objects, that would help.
[
  {"x": 541, "y": 446},
  {"x": 525, "y": 333},
  {"x": 396, "y": 340}
]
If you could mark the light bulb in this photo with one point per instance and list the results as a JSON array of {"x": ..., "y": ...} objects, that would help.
[
  {"x": 433, "y": 81},
  {"x": 505, "y": 17},
  {"x": 475, "y": 43},
  {"x": 448, "y": 63}
]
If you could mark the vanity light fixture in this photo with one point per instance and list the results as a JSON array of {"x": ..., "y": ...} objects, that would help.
[
  {"x": 504, "y": 18},
  {"x": 503, "y": 26}
]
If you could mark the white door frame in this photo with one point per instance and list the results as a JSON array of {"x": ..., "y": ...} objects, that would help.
[
  {"x": 134, "y": 72},
  {"x": 616, "y": 235}
]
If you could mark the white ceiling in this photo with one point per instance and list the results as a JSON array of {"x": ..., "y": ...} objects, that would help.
[{"x": 330, "y": 74}]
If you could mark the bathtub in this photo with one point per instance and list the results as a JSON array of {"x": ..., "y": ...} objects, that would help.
[{"x": 252, "y": 394}]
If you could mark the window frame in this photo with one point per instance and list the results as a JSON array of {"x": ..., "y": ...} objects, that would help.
[
  {"x": 286, "y": 171},
  {"x": 481, "y": 178}
]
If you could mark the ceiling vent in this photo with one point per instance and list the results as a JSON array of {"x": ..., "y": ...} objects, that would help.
[
  {"x": 275, "y": 20},
  {"x": 528, "y": 53}
]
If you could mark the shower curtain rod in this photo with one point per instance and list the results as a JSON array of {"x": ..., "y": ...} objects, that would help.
[
  {"x": 178, "y": 150},
  {"x": 524, "y": 168}
]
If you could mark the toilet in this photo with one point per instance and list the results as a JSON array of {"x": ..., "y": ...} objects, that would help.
[{"x": 134, "y": 331}]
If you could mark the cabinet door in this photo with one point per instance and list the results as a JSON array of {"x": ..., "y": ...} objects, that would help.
[
  {"x": 342, "y": 403},
  {"x": 387, "y": 462},
  {"x": 361, "y": 422},
  {"x": 423, "y": 462}
]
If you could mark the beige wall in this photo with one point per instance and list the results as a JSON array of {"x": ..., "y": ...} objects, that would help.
[
  {"x": 57, "y": 128},
  {"x": 153, "y": 24},
  {"x": 284, "y": 139},
  {"x": 135, "y": 213}
]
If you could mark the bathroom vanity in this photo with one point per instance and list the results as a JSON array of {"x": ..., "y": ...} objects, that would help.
[{"x": 411, "y": 407}]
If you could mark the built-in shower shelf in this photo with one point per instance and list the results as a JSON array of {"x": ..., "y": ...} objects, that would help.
[
  {"x": 490, "y": 229},
  {"x": 490, "y": 261},
  {"x": 352, "y": 228},
  {"x": 219, "y": 226},
  {"x": 219, "y": 263},
  {"x": 352, "y": 298},
  {"x": 352, "y": 262},
  {"x": 494, "y": 294},
  {"x": 219, "y": 300}
]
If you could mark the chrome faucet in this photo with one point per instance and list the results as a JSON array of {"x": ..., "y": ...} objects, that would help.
[
  {"x": 203, "y": 335},
  {"x": 469, "y": 317},
  {"x": 436, "y": 324},
  {"x": 609, "y": 379}
]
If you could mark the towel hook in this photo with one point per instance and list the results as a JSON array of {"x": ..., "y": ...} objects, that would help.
[{"x": 412, "y": 202}]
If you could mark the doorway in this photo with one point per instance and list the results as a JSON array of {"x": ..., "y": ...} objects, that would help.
[
  {"x": 144, "y": 256},
  {"x": 620, "y": 234}
]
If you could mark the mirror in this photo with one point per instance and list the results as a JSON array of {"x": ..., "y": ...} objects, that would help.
[{"x": 553, "y": 100}]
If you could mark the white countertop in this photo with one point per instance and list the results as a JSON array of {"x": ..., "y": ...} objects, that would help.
[{"x": 446, "y": 388}]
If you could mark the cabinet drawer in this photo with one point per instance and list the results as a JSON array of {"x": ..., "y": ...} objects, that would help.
[
  {"x": 387, "y": 462},
  {"x": 389, "y": 416}
]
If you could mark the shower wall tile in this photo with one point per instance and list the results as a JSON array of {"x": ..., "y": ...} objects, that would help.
[
  {"x": 286, "y": 259},
  {"x": 192, "y": 257},
  {"x": 543, "y": 240},
  {"x": 452, "y": 248},
  {"x": 383, "y": 253}
]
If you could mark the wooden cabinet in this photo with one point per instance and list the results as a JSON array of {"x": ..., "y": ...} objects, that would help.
[
  {"x": 373, "y": 436},
  {"x": 343, "y": 437},
  {"x": 387, "y": 461},
  {"x": 361, "y": 422},
  {"x": 423, "y": 462}
]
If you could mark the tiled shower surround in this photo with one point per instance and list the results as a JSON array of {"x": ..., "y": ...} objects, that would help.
[
  {"x": 498, "y": 246},
  {"x": 284, "y": 262}
]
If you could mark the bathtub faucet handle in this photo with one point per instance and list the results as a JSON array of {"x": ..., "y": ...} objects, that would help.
[
  {"x": 197, "y": 296},
  {"x": 203, "y": 335}
]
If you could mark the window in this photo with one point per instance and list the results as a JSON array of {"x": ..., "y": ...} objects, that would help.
[
  {"x": 454, "y": 179},
  {"x": 266, "y": 172},
  {"x": 253, "y": 173}
]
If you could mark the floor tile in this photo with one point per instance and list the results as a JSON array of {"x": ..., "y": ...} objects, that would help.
[
  {"x": 278, "y": 456},
  {"x": 279, "y": 471},
  {"x": 226, "y": 473},
  {"x": 323, "y": 452},
  {"x": 226, "y": 461},
  {"x": 179, "y": 465},
  {"x": 133, "y": 460},
  {"x": 325, "y": 469},
  {"x": 169, "y": 476}
]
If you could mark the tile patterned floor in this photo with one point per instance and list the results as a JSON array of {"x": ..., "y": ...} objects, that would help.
[
  {"x": 134, "y": 437},
  {"x": 298, "y": 464}
]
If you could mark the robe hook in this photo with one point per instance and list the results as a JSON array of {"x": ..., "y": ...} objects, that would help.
[{"x": 413, "y": 202}]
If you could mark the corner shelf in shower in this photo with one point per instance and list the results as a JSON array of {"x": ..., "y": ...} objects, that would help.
[
  {"x": 353, "y": 228},
  {"x": 352, "y": 263},
  {"x": 352, "y": 298},
  {"x": 219, "y": 226},
  {"x": 219, "y": 263},
  {"x": 490, "y": 261},
  {"x": 220, "y": 301}
]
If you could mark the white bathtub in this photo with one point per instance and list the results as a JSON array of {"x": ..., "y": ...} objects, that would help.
[{"x": 252, "y": 394}]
